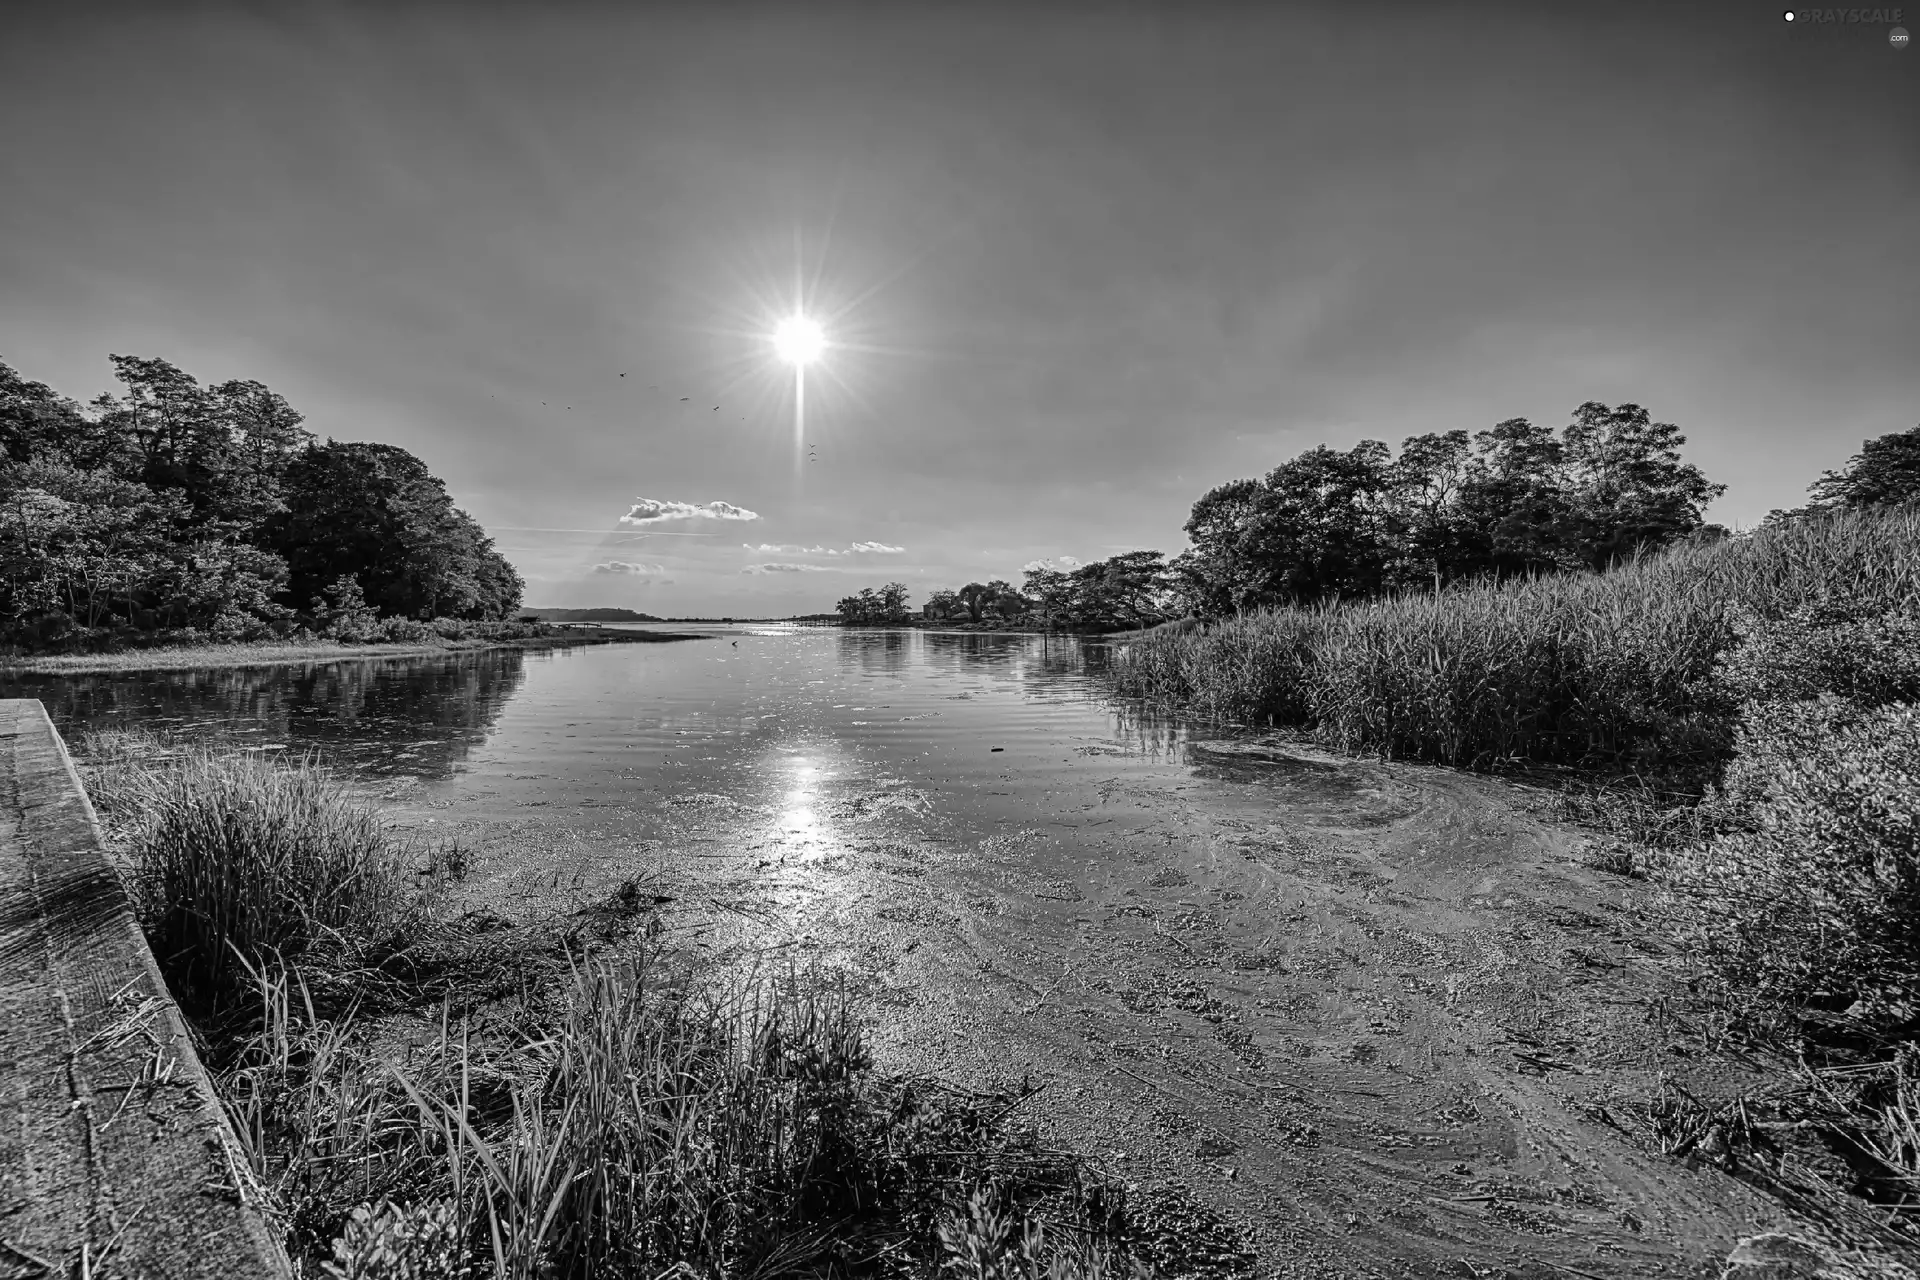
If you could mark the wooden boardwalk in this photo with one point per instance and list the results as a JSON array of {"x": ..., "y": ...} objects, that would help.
[{"x": 115, "y": 1158}]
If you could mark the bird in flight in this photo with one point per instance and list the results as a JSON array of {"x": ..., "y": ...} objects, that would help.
[
  {"x": 623, "y": 375},
  {"x": 684, "y": 399}
]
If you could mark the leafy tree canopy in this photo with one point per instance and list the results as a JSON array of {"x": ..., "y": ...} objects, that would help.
[
  {"x": 1885, "y": 472},
  {"x": 174, "y": 507}
]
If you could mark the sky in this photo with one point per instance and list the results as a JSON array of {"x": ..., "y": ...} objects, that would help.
[{"x": 1077, "y": 263}]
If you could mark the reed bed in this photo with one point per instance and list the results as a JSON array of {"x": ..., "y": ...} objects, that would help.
[
  {"x": 1568, "y": 669},
  {"x": 645, "y": 1129}
]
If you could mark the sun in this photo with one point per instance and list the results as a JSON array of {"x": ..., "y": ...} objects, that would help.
[{"x": 798, "y": 340}]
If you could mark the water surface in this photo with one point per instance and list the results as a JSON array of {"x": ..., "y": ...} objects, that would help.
[
  {"x": 1280, "y": 979},
  {"x": 745, "y": 712}
]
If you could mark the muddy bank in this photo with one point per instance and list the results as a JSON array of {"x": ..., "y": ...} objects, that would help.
[
  {"x": 219, "y": 656},
  {"x": 1372, "y": 1020}
]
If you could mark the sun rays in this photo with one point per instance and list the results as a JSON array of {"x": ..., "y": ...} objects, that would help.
[{"x": 804, "y": 330}]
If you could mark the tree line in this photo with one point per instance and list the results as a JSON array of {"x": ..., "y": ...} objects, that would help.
[
  {"x": 179, "y": 510},
  {"x": 1516, "y": 499}
]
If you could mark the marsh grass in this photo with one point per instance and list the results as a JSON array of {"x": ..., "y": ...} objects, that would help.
[
  {"x": 643, "y": 1127},
  {"x": 243, "y": 857},
  {"x": 236, "y": 859},
  {"x": 1616, "y": 667}
]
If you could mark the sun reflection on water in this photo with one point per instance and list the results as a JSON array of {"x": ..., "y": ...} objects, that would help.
[{"x": 799, "y": 819}]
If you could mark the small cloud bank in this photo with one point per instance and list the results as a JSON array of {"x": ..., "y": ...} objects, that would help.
[
  {"x": 795, "y": 549},
  {"x": 777, "y": 567},
  {"x": 628, "y": 566},
  {"x": 654, "y": 510},
  {"x": 1062, "y": 564}
]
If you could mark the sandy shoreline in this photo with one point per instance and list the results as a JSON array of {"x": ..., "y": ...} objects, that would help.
[{"x": 200, "y": 657}]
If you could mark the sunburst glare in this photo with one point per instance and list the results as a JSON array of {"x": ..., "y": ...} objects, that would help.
[
  {"x": 812, "y": 323},
  {"x": 799, "y": 340}
]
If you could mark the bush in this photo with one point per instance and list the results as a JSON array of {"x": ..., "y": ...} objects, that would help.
[
  {"x": 401, "y": 631},
  {"x": 239, "y": 857},
  {"x": 1860, "y": 651},
  {"x": 1810, "y": 896},
  {"x": 342, "y": 613}
]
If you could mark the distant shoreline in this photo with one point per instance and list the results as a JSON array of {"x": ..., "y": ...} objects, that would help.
[{"x": 201, "y": 657}]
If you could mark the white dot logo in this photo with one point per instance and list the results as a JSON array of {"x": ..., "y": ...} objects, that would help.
[
  {"x": 1897, "y": 37},
  {"x": 1789, "y": 15}
]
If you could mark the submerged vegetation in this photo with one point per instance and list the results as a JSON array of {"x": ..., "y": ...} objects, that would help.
[{"x": 604, "y": 1114}]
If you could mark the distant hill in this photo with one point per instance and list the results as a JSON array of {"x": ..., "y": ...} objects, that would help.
[{"x": 587, "y": 615}]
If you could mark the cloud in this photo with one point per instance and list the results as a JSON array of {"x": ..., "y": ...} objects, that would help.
[
  {"x": 795, "y": 549},
  {"x": 774, "y": 566},
  {"x": 627, "y": 566},
  {"x": 1062, "y": 563},
  {"x": 653, "y": 510}
]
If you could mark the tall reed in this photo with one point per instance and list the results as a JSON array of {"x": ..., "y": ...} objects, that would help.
[{"x": 1616, "y": 666}]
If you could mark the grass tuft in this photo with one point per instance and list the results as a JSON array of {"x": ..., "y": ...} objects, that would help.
[
  {"x": 242, "y": 858},
  {"x": 645, "y": 1127}
]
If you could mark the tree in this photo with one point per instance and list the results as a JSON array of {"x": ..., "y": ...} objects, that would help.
[
  {"x": 1513, "y": 499},
  {"x": 88, "y": 555},
  {"x": 164, "y": 507},
  {"x": 1628, "y": 489},
  {"x": 1221, "y": 573},
  {"x": 1886, "y": 471},
  {"x": 1201, "y": 584},
  {"x": 854, "y": 610},
  {"x": 1005, "y": 599},
  {"x": 974, "y": 597},
  {"x": 1315, "y": 526},
  {"x": 1052, "y": 593},
  {"x": 1129, "y": 588},
  {"x": 1512, "y": 505},
  {"x": 35, "y": 423},
  {"x": 1425, "y": 522},
  {"x": 941, "y": 604},
  {"x": 885, "y": 607},
  {"x": 340, "y": 611},
  {"x": 374, "y": 512}
]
